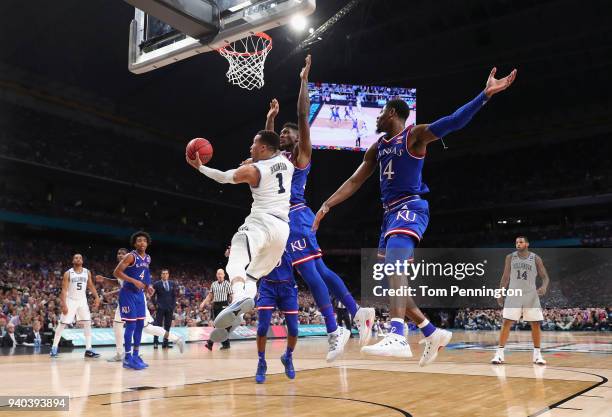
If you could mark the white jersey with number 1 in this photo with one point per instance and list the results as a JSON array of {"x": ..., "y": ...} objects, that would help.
[{"x": 272, "y": 194}]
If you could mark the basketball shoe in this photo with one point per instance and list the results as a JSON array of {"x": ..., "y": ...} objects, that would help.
[
  {"x": 337, "y": 340},
  {"x": 498, "y": 359},
  {"x": 433, "y": 344},
  {"x": 391, "y": 345},
  {"x": 364, "y": 319}
]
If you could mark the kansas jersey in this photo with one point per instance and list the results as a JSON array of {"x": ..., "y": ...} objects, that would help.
[
  {"x": 400, "y": 171},
  {"x": 278, "y": 288},
  {"x": 272, "y": 194},
  {"x": 298, "y": 182},
  {"x": 77, "y": 284},
  {"x": 523, "y": 272},
  {"x": 138, "y": 270}
]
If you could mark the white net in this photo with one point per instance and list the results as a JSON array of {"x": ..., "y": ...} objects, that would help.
[{"x": 246, "y": 59}]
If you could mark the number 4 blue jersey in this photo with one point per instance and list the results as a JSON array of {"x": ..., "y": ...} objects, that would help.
[
  {"x": 400, "y": 171},
  {"x": 138, "y": 270}
]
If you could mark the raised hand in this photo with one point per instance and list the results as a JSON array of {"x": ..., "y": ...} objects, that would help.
[
  {"x": 306, "y": 70},
  {"x": 274, "y": 109},
  {"x": 495, "y": 86}
]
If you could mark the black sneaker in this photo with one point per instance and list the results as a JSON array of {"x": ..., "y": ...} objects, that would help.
[
  {"x": 209, "y": 345},
  {"x": 91, "y": 354}
]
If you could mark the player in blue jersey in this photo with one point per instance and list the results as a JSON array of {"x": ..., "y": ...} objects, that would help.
[
  {"x": 277, "y": 290},
  {"x": 400, "y": 154},
  {"x": 133, "y": 270},
  {"x": 302, "y": 246}
]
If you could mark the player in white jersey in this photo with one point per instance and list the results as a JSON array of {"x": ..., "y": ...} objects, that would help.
[
  {"x": 149, "y": 327},
  {"x": 258, "y": 245},
  {"x": 73, "y": 300},
  {"x": 520, "y": 272}
]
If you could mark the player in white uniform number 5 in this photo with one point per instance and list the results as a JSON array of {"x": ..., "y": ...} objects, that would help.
[
  {"x": 520, "y": 272},
  {"x": 74, "y": 304},
  {"x": 258, "y": 245}
]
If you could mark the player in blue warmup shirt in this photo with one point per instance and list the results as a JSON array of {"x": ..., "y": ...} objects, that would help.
[
  {"x": 302, "y": 246},
  {"x": 400, "y": 155},
  {"x": 277, "y": 290},
  {"x": 134, "y": 271}
]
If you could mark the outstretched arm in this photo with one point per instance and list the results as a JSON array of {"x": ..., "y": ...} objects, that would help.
[
  {"x": 350, "y": 186},
  {"x": 246, "y": 174},
  {"x": 424, "y": 134},
  {"x": 272, "y": 113},
  {"x": 304, "y": 144}
]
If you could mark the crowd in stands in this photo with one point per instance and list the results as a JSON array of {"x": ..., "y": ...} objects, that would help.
[
  {"x": 592, "y": 319},
  {"x": 31, "y": 279}
]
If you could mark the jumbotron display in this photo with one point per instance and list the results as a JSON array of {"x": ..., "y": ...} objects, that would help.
[{"x": 343, "y": 116}]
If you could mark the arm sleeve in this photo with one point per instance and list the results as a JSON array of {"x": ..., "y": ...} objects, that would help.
[
  {"x": 459, "y": 118},
  {"x": 222, "y": 177}
]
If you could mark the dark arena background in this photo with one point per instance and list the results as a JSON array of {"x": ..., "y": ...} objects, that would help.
[{"x": 92, "y": 150}]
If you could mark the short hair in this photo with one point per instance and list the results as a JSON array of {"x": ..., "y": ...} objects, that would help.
[
  {"x": 291, "y": 125},
  {"x": 165, "y": 270},
  {"x": 400, "y": 106},
  {"x": 522, "y": 237},
  {"x": 270, "y": 139},
  {"x": 123, "y": 250},
  {"x": 140, "y": 234}
]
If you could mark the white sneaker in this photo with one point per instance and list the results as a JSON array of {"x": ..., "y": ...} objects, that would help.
[
  {"x": 433, "y": 343},
  {"x": 180, "y": 343},
  {"x": 117, "y": 358},
  {"x": 337, "y": 340},
  {"x": 538, "y": 359},
  {"x": 364, "y": 319},
  {"x": 228, "y": 315},
  {"x": 392, "y": 345},
  {"x": 498, "y": 359}
]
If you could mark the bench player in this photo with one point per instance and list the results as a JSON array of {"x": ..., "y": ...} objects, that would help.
[
  {"x": 73, "y": 299},
  {"x": 259, "y": 243},
  {"x": 400, "y": 154},
  {"x": 521, "y": 269}
]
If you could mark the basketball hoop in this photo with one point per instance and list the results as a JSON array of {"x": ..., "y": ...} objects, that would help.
[{"x": 246, "y": 59}]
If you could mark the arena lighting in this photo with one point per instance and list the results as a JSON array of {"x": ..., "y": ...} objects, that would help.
[
  {"x": 240, "y": 6},
  {"x": 298, "y": 22}
]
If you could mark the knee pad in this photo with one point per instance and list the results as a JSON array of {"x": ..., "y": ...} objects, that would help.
[{"x": 239, "y": 257}]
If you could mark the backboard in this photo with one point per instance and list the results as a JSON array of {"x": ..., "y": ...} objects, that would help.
[{"x": 154, "y": 44}]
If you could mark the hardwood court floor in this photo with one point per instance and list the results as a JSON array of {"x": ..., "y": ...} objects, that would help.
[{"x": 220, "y": 383}]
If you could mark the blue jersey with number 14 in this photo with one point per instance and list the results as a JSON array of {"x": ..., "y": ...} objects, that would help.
[
  {"x": 138, "y": 270},
  {"x": 400, "y": 171}
]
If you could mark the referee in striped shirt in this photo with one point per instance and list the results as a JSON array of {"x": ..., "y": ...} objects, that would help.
[{"x": 221, "y": 296}]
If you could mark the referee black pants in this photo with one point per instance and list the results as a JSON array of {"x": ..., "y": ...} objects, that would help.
[{"x": 218, "y": 306}]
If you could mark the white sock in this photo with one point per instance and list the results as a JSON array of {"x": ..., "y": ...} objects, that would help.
[
  {"x": 87, "y": 331},
  {"x": 422, "y": 324},
  {"x": 238, "y": 290},
  {"x": 536, "y": 351},
  {"x": 155, "y": 330},
  {"x": 118, "y": 329},
  {"x": 58, "y": 334},
  {"x": 172, "y": 337}
]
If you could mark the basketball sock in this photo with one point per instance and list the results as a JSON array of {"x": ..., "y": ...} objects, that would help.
[
  {"x": 536, "y": 351},
  {"x": 128, "y": 335},
  {"x": 118, "y": 329},
  {"x": 262, "y": 355},
  {"x": 138, "y": 335},
  {"x": 87, "y": 331},
  {"x": 58, "y": 334},
  {"x": 397, "y": 326},
  {"x": 427, "y": 328},
  {"x": 319, "y": 292},
  {"x": 289, "y": 352},
  {"x": 336, "y": 285},
  {"x": 330, "y": 319},
  {"x": 154, "y": 330},
  {"x": 238, "y": 290}
]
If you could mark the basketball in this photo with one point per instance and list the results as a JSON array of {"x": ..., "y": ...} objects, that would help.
[{"x": 202, "y": 147}]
